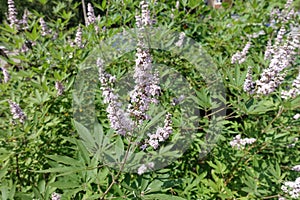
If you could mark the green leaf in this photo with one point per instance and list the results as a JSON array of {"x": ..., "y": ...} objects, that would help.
[
  {"x": 103, "y": 4},
  {"x": 154, "y": 186},
  {"x": 4, "y": 169},
  {"x": 85, "y": 134},
  {"x": 62, "y": 169},
  {"x": 155, "y": 119},
  {"x": 63, "y": 184},
  {"x": 119, "y": 149},
  {"x": 162, "y": 197},
  {"x": 65, "y": 160}
]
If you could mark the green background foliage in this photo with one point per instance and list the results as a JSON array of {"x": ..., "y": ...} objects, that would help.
[{"x": 46, "y": 155}]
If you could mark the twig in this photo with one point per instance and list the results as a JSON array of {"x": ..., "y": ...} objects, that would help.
[
  {"x": 84, "y": 12},
  {"x": 271, "y": 197},
  {"x": 118, "y": 174}
]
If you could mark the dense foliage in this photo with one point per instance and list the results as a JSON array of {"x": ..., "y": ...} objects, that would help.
[{"x": 46, "y": 153}]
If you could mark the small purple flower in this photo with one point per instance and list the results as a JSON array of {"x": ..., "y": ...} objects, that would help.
[
  {"x": 55, "y": 196},
  {"x": 5, "y": 74},
  {"x": 24, "y": 48},
  {"x": 297, "y": 116},
  {"x": 179, "y": 43},
  {"x": 44, "y": 27},
  {"x": 143, "y": 168},
  {"x": 249, "y": 85},
  {"x": 296, "y": 168},
  {"x": 59, "y": 87},
  {"x": 17, "y": 111}
]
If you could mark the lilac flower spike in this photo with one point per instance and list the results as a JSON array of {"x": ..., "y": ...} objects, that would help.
[
  {"x": 282, "y": 55},
  {"x": 90, "y": 15},
  {"x": 146, "y": 84},
  {"x": 240, "y": 143},
  {"x": 24, "y": 21},
  {"x": 55, "y": 196},
  {"x": 12, "y": 14},
  {"x": 119, "y": 120},
  {"x": 59, "y": 87},
  {"x": 292, "y": 188},
  {"x": 161, "y": 135},
  {"x": 294, "y": 91},
  {"x": 78, "y": 38},
  {"x": 146, "y": 19},
  {"x": 240, "y": 57},
  {"x": 5, "y": 74},
  {"x": 44, "y": 27},
  {"x": 249, "y": 84},
  {"x": 17, "y": 111}
]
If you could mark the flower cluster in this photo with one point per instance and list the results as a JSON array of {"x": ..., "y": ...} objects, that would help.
[
  {"x": 179, "y": 43},
  {"x": 12, "y": 14},
  {"x": 144, "y": 93},
  {"x": 146, "y": 19},
  {"x": 24, "y": 21},
  {"x": 256, "y": 35},
  {"x": 287, "y": 13},
  {"x": 90, "y": 15},
  {"x": 91, "y": 18},
  {"x": 292, "y": 145},
  {"x": 294, "y": 91},
  {"x": 78, "y": 38},
  {"x": 281, "y": 55},
  {"x": 249, "y": 85},
  {"x": 292, "y": 188},
  {"x": 55, "y": 196},
  {"x": 24, "y": 48},
  {"x": 297, "y": 116},
  {"x": 177, "y": 5},
  {"x": 59, "y": 87},
  {"x": 240, "y": 57},
  {"x": 119, "y": 120},
  {"x": 143, "y": 168},
  {"x": 161, "y": 135},
  {"x": 17, "y": 111},
  {"x": 146, "y": 84},
  {"x": 296, "y": 168},
  {"x": 5, "y": 75},
  {"x": 240, "y": 143},
  {"x": 45, "y": 30}
]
